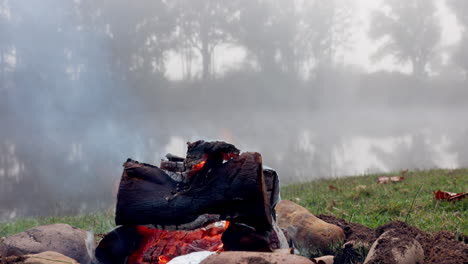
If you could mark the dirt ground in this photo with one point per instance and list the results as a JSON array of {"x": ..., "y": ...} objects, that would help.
[{"x": 440, "y": 247}]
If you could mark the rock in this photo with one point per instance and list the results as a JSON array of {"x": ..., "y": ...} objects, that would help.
[
  {"x": 192, "y": 258},
  {"x": 243, "y": 257},
  {"x": 395, "y": 247},
  {"x": 62, "y": 238},
  {"x": 324, "y": 260},
  {"x": 283, "y": 250},
  {"x": 49, "y": 257},
  {"x": 309, "y": 234}
]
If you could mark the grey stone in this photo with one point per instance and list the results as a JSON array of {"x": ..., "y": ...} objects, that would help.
[
  {"x": 309, "y": 234},
  {"x": 49, "y": 257},
  {"x": 241, "y": 257},
  {"x": 62, "y": 238}
]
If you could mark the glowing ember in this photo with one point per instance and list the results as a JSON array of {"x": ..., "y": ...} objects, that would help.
[
  {"x": 163, "y": 259},
  {"x": 160, "y": 246},
  {"x": 228, "y": 156},
  {"x": 199, "y": 166}
]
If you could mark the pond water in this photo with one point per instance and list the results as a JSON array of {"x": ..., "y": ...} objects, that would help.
[{"x": 74, "y": 174}]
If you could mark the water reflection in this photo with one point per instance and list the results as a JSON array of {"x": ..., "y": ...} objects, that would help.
[{"x": 74, "y": 176}]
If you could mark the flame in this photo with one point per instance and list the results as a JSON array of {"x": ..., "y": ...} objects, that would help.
[
  {"x": 163, "y": 259},
  {"x": 160, "y": 246},
  {"x": 199, "y": 166}
]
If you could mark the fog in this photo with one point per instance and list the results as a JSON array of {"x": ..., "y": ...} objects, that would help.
[{"x": 320, "y": 88}]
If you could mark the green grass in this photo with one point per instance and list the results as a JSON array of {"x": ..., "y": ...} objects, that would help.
[
  {"x": 363, "y": 200},
  {"x": 98, "y": 223},
  {"x": 356, "y": 199}
]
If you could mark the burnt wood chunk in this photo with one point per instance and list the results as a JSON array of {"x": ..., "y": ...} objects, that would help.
[
  {"x": 174, "y": 166},
  {"x": 217, "y": 151},
  {"x": 272, "y": 186},
  {"x": 118, "y": 245},
  {"x": 175, "y": 158},
  {"x": 235, "y": 190}
]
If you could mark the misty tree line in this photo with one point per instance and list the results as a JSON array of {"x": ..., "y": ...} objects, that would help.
[
  {"x": 82, "y": 65},
  {"x": 128, "y": 44}
]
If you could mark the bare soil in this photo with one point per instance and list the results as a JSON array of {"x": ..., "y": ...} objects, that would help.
[{"x": 441, "y": 247}]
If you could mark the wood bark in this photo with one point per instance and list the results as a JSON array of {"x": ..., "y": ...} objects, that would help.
[{"x": 235, "y": 190}]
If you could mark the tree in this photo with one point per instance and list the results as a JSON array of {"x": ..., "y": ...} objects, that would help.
[
  {"x": 410, "y": 30},
  {"x": 202, "y": 25},
  {"x": 290, "y": 36},
  {"x": 460, "y": 56},
  {"x": 5, "y": 41},
  {"x": 269, "y": 32},
  {"x": 138, "y": 34},
  {"x": 325, "y": 31}
]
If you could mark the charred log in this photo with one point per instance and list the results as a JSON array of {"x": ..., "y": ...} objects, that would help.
[
  {"x": 174, "y": 158},
  {"x": 217, "y": 151},
  {"x": 174, "y": 166},
  {"x": 272, "y": 188},
  {"x": 213, "y": 183},
  {"x": 118, "y": 245},
  {"x": 143, "y": 244},
  {"x": 235, "y": 190}
]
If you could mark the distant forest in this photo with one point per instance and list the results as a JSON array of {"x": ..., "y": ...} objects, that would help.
[{"x": 114, "y": 47}]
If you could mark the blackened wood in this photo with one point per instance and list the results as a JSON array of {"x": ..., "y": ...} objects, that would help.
[
  {"x": 235, "y": 190},
  {"x": 239, "y": 237},
  {"x": 272, "y": 187},
  {"x": 117, "y": 245},
  {"x": 175, "y": 158},
  {"x": 202, "y": 150},
  {"x": 174, "y": 166}
]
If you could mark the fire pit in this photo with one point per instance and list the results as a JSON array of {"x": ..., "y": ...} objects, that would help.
[{"x": 215, "y": 199}]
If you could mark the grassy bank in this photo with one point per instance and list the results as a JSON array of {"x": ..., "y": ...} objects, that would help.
[
  {"x": 98, "y": 223},
  {"x": 363, "y": 200},
  {"x": 356, "y": 199}
]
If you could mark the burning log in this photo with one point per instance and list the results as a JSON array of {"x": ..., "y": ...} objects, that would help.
[
  {"x": 235, "y": 190},
  {"x": 214, "y": 182},
  {"x": 141, "y": 244},
  {"x": 215, "y": 151},
  {"x": 173, "y": 166}
]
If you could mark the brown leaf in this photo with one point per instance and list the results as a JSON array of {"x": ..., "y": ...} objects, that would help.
[
  {"x": 449, "y": 196},
  {"x": 397, "y": 179},
  {"x": 383, "y": 180},
  {"x": 386, "y": 179}
]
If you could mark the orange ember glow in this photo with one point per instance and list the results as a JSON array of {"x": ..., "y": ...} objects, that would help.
[
  {"x": 160, "y": 246},
  {"x": 163, "y": 259},
  {"x": 228, "y": 156},
  {"x": 199, "y": 166}
]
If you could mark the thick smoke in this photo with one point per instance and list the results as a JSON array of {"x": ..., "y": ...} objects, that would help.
[{"x": 84, "y": 85}]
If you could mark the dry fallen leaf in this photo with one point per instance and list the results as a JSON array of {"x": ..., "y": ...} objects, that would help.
[
  {"x": 397, "y": 179},
  {"x": 386, "y": 179},
  {"x": 383, "y": 179},
  {"x": 449, "y": 196}
]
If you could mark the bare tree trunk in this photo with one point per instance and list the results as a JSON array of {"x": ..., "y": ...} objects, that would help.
[
  {"x": 213, "y": 62},
  {"x": 206, "y": 59},
  {"x": 189, "y": 61},
  {"x": 205, "y": 50},
  {"x": 419, "y": 65},
  {"x": 2, "y": 68}
]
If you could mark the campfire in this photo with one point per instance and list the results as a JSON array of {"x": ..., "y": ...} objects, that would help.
[
  {"x": 217, "y": 205},
  {"x": 214, "y": 199},
  {"x": 160, "y": 246}
]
